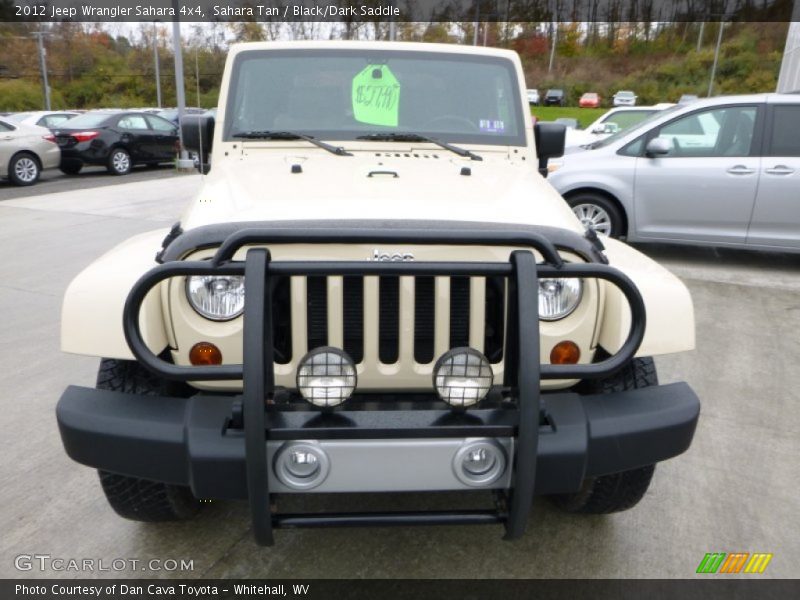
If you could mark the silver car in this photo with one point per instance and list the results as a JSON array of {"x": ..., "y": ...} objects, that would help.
[
  {"x": 722, "y": 171},
  {"x": 25, "y": 151}
]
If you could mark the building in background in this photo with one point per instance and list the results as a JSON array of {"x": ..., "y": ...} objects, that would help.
[{"x": 789, "y": 78}]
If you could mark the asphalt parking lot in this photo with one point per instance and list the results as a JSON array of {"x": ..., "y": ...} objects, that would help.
[{"x": 735, "y": 489}]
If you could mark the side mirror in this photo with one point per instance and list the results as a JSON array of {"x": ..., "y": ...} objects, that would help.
[
  {"x": 658, "y": 147},
  {"x": 198, "y": 135},
  {"x": 550, "y": 139}
]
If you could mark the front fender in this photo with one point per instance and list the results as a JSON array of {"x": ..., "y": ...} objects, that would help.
[
  {"x": 670, "y": 312},
  {"x": 91, "y": 314}
]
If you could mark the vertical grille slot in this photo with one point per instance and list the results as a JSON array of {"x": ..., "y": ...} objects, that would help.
[
  {"x": 282, "y": 319},
  {"x": 459, "y": 311},
  {"x": 354, "y": 317},
  {"x": 495, "y": 318},
  {"x": 424, "y": 297},
  {"x": 317, "y": 311},
  {"x": 389, "y": 319}
]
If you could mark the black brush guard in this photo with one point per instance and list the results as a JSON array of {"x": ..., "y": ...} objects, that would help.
[{"x": 256, "y": 372}]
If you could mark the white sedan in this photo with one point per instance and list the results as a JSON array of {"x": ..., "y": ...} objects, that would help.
[{"x": 25, "y": 151}]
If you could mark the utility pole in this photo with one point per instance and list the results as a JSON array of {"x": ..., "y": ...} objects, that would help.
[
  {"x": 716, "y": 59},
  {"x": 392, "y": 24},
  {"x": 553, "y": 47},
  {"x": 183, "y": 160},
  {"x": 43, "y": 68},
  {"x": 476, "y": 23},
  {"x": 155, "y": 59}
]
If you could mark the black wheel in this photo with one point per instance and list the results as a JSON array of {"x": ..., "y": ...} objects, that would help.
[
  {"x": 119, "y": 162},
  {"x": 71, "y": 167},
  {"x": 131, "y": 497},
  {"x": 598, "y": 212},
  {"x": 618, "y": 491},
  {"x": 24, "y": 169}
]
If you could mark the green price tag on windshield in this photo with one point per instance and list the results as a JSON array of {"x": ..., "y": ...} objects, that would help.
[{"x": 376, "y": 96}]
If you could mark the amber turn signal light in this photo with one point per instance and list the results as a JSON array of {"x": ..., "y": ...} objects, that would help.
[
  {"x": 205, "y": 353},
  {"x": 565, "y": 353}
]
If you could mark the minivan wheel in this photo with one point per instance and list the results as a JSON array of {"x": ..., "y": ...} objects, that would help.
[
  {"x": 119, "y": 163},
  {"x": 597, "y": 212},
  {"x": 24, "y": 169}
]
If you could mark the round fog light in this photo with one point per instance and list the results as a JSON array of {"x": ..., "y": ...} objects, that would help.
[
  {"x": 462, "y": 377},
  {"x": 326, "y": 377},
  {"x": 479, "y": 462},
  {"x": 301, "y": 465}
]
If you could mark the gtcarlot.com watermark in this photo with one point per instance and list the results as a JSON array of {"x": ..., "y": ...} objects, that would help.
[{"x": 46, "y": 563}]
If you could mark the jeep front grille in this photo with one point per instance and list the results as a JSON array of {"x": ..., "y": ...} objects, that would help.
[{"x": 390, "y": 320}]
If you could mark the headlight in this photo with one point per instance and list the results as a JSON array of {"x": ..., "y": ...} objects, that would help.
[
  {"x": 558, "y": 297},
  {"x": 326, "y": 377},
  {"x": 462, "y": 377},
  {"x": 219, "y": 298}
]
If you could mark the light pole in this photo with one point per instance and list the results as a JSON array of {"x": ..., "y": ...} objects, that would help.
[
  {"x": 43, "y": 68},
  {"x": 155, "y": 60}
]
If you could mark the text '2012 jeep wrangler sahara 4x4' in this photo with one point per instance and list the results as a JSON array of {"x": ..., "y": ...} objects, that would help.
[{"x": 375, "y": 291}]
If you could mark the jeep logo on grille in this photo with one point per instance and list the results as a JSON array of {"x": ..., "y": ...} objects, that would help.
[{"x": 377, "y": 255}]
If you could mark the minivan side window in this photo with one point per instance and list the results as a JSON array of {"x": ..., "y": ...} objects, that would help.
[
  {"x": 785, "y": 138},
  {"x": 726, "y": 131}
]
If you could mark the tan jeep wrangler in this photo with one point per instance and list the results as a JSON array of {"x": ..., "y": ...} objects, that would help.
[{"x": 375, "y": 291}]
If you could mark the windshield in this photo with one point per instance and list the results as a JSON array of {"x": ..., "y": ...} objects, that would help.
[
  {"x": 627, "y": 118},
  {"x": 345, "y": 94},
  {"x": 638, "y": 127}
]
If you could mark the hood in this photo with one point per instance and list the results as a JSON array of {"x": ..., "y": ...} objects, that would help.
[{"x": 417, "y": 184}]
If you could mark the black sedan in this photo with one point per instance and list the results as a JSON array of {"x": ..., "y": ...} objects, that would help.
[{"x": 116, "y": 140}]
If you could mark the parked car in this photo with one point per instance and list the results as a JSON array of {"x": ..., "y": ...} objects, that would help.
[
  {"x": 568, "y": 122},
  {"x": 625, "y": 98},
  {"x": 615, "y": 120},
  {"x": 171, "y": 114},
  {"x": 25, "y": 151},
  {"x": 688, "y": 98},
  {"x": 329, "y": 344},
  {"x": 589, "y": 100},
  {"x": 116, "y": 140},
  {"x": 533, "y": 97},
  {"x": 554, "y": 97},
  {"x": 43, "y": 118},
  {"x": 719, "y": 171}
]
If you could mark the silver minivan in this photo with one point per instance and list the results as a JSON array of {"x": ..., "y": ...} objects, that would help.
[{"x": 722, "y": 171}]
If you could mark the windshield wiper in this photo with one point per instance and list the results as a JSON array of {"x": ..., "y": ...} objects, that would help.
[
  {"x": 416, "y": 137},
  {"x": 290, "y": 135}
]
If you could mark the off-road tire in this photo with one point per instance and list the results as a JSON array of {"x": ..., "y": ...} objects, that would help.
[
  {"x": 618, "y": 491},
  {"x": 131, "y": 497}
]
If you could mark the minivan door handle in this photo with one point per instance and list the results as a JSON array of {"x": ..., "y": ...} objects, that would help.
[
  {"x": 780, "y": 170},
  {"x": 740, "y": 170}
]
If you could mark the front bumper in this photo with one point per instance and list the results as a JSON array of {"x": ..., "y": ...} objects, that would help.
[
  {"x": 223, "y": 447},
  {"x": 190, "y": 441}
]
